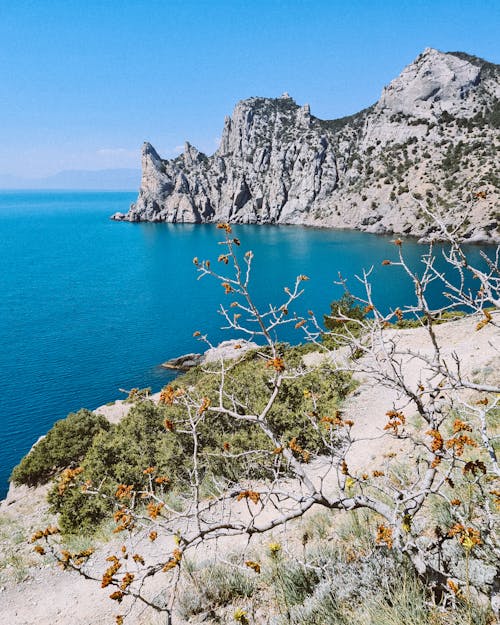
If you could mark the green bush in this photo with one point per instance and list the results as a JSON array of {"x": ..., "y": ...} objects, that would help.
[
  {"x": 78, "y": 511},
  {"x": 116, "y": 456},
  {"x": 65, "y": 444},
  {"x": 120, "y": 454},
  {"x": 345, "y": 306}
]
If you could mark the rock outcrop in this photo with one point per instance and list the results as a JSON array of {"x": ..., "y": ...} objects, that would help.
[
  {"x": 227, "y": 350},
  {"x": 430, "y": 142}
]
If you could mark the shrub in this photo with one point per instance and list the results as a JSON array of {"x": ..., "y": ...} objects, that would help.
[
  {"x": 336, "y": 322},
  {"x": 65, "y": 444},
  {"x": 78, "y": 512},
  {"x": 120, "y": 454},
  {"x": 116, "y": 456}
]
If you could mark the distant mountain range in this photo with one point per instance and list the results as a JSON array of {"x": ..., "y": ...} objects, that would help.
[
  {"x": 431, "y": 142},
  {"x": 78, "y": 179}
]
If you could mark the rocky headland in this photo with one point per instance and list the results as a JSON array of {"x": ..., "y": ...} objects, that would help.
[{"x": 430, "y": 143}]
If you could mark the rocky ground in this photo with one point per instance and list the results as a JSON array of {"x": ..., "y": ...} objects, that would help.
[{"x": 33, "y": 590}]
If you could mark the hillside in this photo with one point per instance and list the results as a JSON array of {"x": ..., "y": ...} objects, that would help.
[
  {"x": 30, "y": 584},
  {"x": 431, "y": 141}
]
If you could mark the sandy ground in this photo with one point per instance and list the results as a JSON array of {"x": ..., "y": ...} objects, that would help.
[{"x": 31, "y": 592}]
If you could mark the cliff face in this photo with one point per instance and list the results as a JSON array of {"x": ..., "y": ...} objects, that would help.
[{"x": 432, "y": 140}]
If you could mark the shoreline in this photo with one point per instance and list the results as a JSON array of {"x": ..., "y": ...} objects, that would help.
[
  {"x": 56, "y": 598},
  {"x": 420, "y": 240},
  {"x": 115, "y": 410}
]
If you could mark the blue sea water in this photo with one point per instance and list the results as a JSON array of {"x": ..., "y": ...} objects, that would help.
[{"x": 89, "y": 306}]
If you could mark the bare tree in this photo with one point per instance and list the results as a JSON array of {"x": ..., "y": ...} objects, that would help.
[{"x": 442, "y": 418}]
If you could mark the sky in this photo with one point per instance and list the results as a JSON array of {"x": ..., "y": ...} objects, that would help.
[{"x": 83, "y": 83}]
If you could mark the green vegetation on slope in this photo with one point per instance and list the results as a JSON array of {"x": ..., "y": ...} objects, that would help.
[
  {"x": 67, "y": 442},
  {"x": 157, "y": 436}
]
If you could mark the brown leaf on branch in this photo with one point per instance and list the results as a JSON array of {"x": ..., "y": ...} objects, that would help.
[
  {"x": 437, "y": 440},
  {"x": 487, "y": 319},
  {"x": 474, "y": 466},
  {"x": 458, "y": 443},
  {"x": 117, "y": 596},
  {"x": 204, "y": 406},
  {"x": 384, "y": 536},
  {"x": 154, "y": 509},
  {"x": 174, "y": 560},
  {"x": 249, "y": 494},
  {"x": 278, "y": 364},
  {"x": 169, "y": 425}
]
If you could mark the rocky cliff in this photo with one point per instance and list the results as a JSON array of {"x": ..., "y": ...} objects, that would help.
[{"x": 432, "y": 140}]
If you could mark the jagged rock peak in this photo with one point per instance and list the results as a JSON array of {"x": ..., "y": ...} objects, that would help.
[
  {"x": 430, "y": 141},
  {"x": 433, "y": 83},
  {"x": 149, "y": 151},
  {"x": 256, "y": 117}
]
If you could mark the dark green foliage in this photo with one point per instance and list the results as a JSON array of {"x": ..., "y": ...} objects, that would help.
[
  {"x": 449, "y": 184},
  {"x": 475, "y": 60},
  {"x": 122, "y": 453},
  {"x": 128, "y": 448},
  {"x": 345, "y": 306},
  {"x": 78, "y": 511},
  {"x": 117, "y": 456},
  {"x": 493, "y": 116},
  {"x": 66, "y": 443},
  {"x": 452, "y": 159},
  {"x": 444, "y": 317},
  {"x": 337, "y": 125},
  {"x": 249, "y": 382},
  {"x": 492, "y": 178},
  {"x": 446, "y": 118}
]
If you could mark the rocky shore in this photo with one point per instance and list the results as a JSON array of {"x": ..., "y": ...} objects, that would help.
[{"x": 227, "y": 350}]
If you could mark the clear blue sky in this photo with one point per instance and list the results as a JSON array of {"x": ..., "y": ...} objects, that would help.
[{"x": 85, "y": 82}]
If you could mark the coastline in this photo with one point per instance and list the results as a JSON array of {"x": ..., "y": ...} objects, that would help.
[
  {"x": 60, "y": 599},
  {"x": 454, "y": 333},
  {"x": 477, "y": 238}
]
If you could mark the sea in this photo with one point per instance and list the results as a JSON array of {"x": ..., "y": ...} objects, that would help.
[{"x": 89, "y": 306}]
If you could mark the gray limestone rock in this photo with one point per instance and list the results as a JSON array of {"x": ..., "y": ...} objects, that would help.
[
  {"x": 183, "y": 363},
  {"x": 430, "y": 142},
  {"x": 227, "y": 350}
]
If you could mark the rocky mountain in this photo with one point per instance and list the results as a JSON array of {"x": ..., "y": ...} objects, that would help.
[{"x": 430, "y": 142}]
